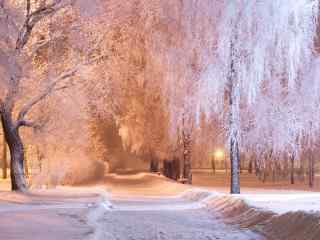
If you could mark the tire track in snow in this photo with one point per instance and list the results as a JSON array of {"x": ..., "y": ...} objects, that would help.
[{"x": 95, "y": 218}]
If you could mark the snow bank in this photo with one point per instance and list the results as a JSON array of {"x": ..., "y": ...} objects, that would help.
[
  {"x": 198, "y": 195},
  {"x": 277, "y": 216},
  {"x": 283, "y": 203},
  {"x": 142, "y": 184}
]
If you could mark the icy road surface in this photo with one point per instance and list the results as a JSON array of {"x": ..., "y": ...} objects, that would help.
[{"x": 165, "y": 218}]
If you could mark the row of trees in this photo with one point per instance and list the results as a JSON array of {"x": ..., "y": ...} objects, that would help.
[
  {"x": 251, "y": 68},
  {"x": 265, "y": 54},
  {"x": 161, "y": 80}
]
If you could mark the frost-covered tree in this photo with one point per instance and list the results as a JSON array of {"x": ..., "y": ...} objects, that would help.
[
  {"x": 260, "y": 44},
  {"x": 128, "y": 84},
  {"x": 27, "y": 29}
]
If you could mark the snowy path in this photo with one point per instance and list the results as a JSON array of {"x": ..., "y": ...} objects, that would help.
[
  {"x": 151, "y": 207},
  {"x": 167, "y": 219}
]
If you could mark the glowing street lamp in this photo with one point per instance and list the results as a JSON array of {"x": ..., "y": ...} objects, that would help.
[{"x": 218, "y": 154}]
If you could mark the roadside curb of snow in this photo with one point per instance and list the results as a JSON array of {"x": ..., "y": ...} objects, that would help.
[
  {"x": 199, "y": 194},
  {"x": 239, "y": 210}
]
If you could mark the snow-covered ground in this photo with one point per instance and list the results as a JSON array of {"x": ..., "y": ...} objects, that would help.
[
  {"x": 147, "y": 206},
  {"x": 62, "y": 213},
  {"x": 277, "y": 201},
  {"x": 284, "y": 202},
  {"x": 168, "y": 218},
  {"x": 278, "y": 213},
  {"x": 275, "y": 214}
]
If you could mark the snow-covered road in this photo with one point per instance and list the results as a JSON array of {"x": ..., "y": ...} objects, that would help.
[
  {"x": 151, "y": 207},
  {"x": 166, "y": 218}
]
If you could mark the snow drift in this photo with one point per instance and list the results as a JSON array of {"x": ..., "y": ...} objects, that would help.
[{"x": 291, "y": 225}]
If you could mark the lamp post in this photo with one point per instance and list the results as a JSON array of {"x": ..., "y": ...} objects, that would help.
[
  {"x": 213, "y": 164},
  {"x": 216, "y": 155}
]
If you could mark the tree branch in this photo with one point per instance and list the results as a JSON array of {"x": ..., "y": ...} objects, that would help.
[
  {"x": 27, "y": 107},
  {"x": 26, "y": 123},
  {"x": 8, "y": 20},
  {"x": 28, "y": 8},
  {"x": 33, "y": 18}
]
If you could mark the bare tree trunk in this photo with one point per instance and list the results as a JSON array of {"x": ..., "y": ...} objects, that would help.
[
  {"x": 292, "y": 169},
  {"x": 234, "y": 159},
  {"x": 187, "y": 166},
  {"x": 154, "y": 165},
  {"x": 250, "y": 167},
  {"x": 213, "y": 165},
  {"x": 186, "y": 137},
  {"x": 15, "y": 144},
  {"x": 26, "y": 164},
  {"x": 226, "y": 165},
  {"x": 273, "y": 168},
  {"x": 311, "y": 170},
  {"x": 176, "y": 169},
  {"x": 4, "y": 159},
  {"x": 256, "y": 167},
  {"x": 234, "y": 102},
  {"x": 167, "y": 168},
  {"x": 40, "y": 159},
  {"x": 285, "y": 167}
]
